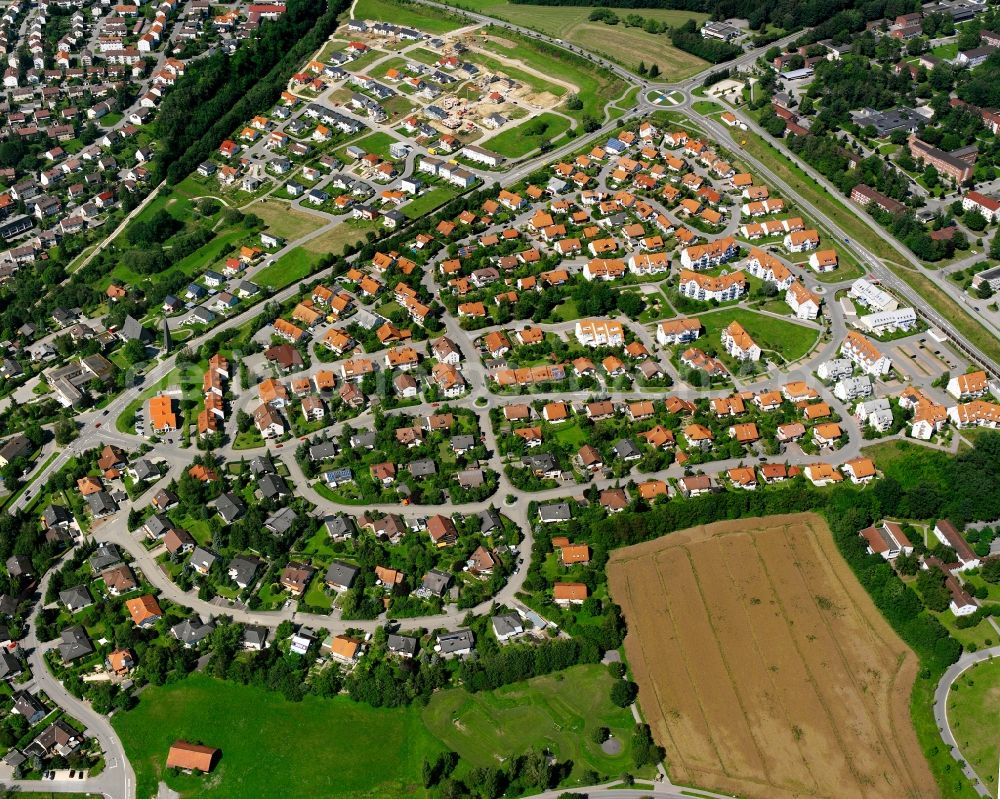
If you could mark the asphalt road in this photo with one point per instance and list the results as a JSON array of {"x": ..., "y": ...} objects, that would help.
[
  {"x": 118, "y": 781},
  {"x": 964, "y": 663}
]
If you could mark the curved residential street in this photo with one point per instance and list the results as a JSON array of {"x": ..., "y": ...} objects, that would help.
[
  {"x": 956, "y": 670},
  {"x": 98, "y": 427}
]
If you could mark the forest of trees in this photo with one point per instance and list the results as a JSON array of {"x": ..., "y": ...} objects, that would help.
[{"x": 219, "y": 92}]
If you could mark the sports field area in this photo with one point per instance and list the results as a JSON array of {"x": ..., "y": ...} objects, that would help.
[
  {"x": 973, "y": 712},
  {"x": 763, "y": 666}
]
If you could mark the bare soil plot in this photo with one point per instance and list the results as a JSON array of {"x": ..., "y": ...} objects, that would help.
[{"x": 763, "y": 667}]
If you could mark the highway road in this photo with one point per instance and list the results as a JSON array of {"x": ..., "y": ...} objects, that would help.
[{"x": 872, "y": 263}]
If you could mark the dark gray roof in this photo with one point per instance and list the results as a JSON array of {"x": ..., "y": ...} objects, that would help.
[
  {"x": 489, "y": 520},
  {"x": 145, "y": 470},
  {"x": 365, "y": 438},
  {"x": 461, "y": 443},
  {"x": 626, "y": 449},
  {"x": 280, "y": 521},
  {"x": 341, "y": 574},
  {"x": 19, "y": 565},
  {"x": 436, "y": 582},
  {"x": 192, "y": 631},
  {"x": 262, "y": 465},
  {"x": 15, "y": 447},
  {"x": 55, "y": 515},
  {"x": 339, "y": 525},
  {"x": 456, "y": 641},
  {"x": 323, "y": 451},
  {"x": 272, "y": 486},
  {"x": 401, "y": 644},
  {"x": 28, "y": 705},
  {"x": 203, "y": 558},
  {"x": 76, "y": 598},
  {"x": 543, "y": 462},
  {"x": 106, "y": 555},
  {"x": 230, "y": 506},
  {"x": 101, "y": 503},
  {"x": 158, "y": 524},
  {"x": 555, "y": 512},
  {"x": 242, "y": 568},
  {"x": 507, "y": 624},
  {"x": 132, "y": 330},
  {"x": 10, "y": 666},
  {"x": 75, "y": 643},
  {"x": 255, "y": 635},
  {"x": 423, "y": 468}
]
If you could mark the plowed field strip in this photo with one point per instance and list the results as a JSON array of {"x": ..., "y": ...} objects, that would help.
[
  {"x": 868, "y": 708},
  {"x": 761, "y": 634},
  {"x": 819, "y": 660},
  {"x": 764, "y": 668},
  {"x": 698, "y": 643}
]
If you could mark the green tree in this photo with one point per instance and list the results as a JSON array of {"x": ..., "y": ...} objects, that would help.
[
  {"x": 624, "y": 692},
  {"x": 65, "y": 432},
  {"x": 134, "y": 351},
  {"x": 974, "y": 220}
]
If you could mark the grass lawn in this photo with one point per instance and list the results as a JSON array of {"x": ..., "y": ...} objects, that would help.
[
  {"x": 706, "y": 107},
  {"x": 846, "y": 270},
  {"x": 938, "y": 757},
  {"x": 315, "y": 595},
  {"x": 628, "y": 100},
  {"x": 341, "y": 498},
  {"x": 946, "y": 52},
  {"x": 285, "y": 221},
  {"x": 788, "y": 339},
  {"x": 204, "y": 257},
  {"x": 567, "y": 311},
  {"x": 558, "y": 712},
  {"x": 427, "y": 202},
  {"x": 524, "y": 138},
  {"x": 407, "y": 15},
  {"x": 886, "y": 453},
  {"x": 377, "y": 143},
  {"x": 272, "y": 747},
  {"x": 570, "y": 434},
  {"x": 191, "y": 265},
  {"x": 251, "y": 439},
  {"x": 628, "y": 46},
  {"x": 874, "y": 241},
  {"x": 979, "y": 637},
  {"x": 535, "y": 82},
  {"x": 296, "y": 265},
  {"x": 334, "y": 240}
]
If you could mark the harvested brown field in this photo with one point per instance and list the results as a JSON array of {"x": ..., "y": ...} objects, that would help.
[{"x": 764, "y": 668}]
